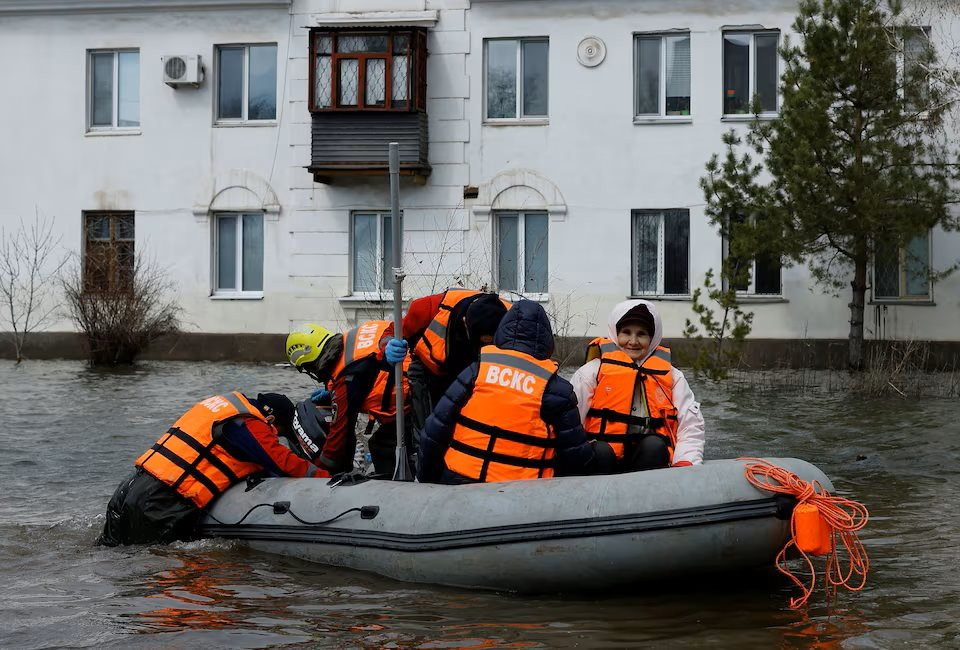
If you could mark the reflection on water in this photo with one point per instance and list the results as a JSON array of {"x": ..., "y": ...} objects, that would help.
[{"x": 70, "y": 435}]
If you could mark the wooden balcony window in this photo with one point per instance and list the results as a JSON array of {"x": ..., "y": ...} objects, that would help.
[{"x": 382, "y": 70}]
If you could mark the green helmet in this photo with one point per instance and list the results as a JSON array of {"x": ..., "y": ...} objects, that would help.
[{"x": 306, "y": 344}]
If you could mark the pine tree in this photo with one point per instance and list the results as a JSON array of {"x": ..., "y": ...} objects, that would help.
[{"x": 858, "y": 160}]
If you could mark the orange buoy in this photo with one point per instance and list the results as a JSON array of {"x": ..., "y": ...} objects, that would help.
[{"x": 812, "y": 534}]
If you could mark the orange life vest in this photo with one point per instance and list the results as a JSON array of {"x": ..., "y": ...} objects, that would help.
[
  {"x": 499, "y": 434},
  {"x": 361, "y": 343},
  {"x": 610, "y": 417},
  {"x": 188, "y": 458},
  {"x": 431, "y": 349}
]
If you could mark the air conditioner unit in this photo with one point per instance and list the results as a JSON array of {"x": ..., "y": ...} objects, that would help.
[{"x": 182, "y": 69}]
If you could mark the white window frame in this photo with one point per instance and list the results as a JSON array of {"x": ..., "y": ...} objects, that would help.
[
  {"x": 661, "y": 116},
  {"x": 116, "y": 92},
  {"x": 901, "y": 296},
  {"x": 383, "y": 293},
  {"x": 521, "y": 289},
  {"x": 752, "y": 72},
  {"x": 245, "y": 89},
  {"x": 661, "y": 253},
  {"x": 518, "y": 109},
  {"x": 237, "y": 293}
]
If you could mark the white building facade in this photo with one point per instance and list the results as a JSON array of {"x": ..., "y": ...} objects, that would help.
[{"x": 550, "y": 148}]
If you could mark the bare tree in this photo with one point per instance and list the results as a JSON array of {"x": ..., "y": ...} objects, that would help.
[
  {"x": 27, "y": 268},
  {"x": 122, "y": 314}
]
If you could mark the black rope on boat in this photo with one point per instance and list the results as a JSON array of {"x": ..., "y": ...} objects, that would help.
[{"x": 283, "y": 507}]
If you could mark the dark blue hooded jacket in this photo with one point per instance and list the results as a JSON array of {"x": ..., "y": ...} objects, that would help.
[{"x": 525, "y": 329}]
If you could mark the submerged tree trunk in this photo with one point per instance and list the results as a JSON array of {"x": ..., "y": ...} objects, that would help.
[{"x": 859, "y": 286}]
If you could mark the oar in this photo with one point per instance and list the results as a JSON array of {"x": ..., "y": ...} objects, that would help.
[{"x": 402, "y": 471}]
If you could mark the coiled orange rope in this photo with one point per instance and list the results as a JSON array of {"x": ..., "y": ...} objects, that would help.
[{"x": 844, "y": 518}]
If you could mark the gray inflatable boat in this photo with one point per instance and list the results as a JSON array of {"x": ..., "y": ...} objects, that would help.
[{"x": 560, "y": 534}]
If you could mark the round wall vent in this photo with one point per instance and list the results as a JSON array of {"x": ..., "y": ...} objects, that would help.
[
  {"x": 591, "y": 51},
  {"x": 175, "y": 67}
]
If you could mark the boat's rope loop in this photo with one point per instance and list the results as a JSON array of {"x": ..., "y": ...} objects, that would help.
[{"x": 820, "y": 524}]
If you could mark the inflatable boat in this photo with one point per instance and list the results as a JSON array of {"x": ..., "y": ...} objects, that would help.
[{"x": 558, "y": 534}]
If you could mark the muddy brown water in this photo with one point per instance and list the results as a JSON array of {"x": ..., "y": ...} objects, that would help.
[{"x": 70, "y": 434}]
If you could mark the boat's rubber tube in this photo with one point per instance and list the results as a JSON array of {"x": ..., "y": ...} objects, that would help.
[{"x": 546, "y": 535}]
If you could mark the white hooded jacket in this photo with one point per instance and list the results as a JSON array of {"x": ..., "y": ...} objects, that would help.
[{"x": 690, "y": 429}]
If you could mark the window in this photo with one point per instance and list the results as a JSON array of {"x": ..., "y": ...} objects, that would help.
[
  {"x": 916, "y": 60},
  {"x": 661, "y": 252},
  {"x": 113, "y": 89},
  {"x": 238, "y": 246},
  {"x": 750, "y": 68},
  {"x": 108, "y": 252},
  {"x": 372, "y": 252},
  {"x": 516, "y": 78},
  {"x": 662, "y": 67},
  {"x": 902, "y": 273},
  {"x": 759, "y": 276},
  {"x": 521, "y": 252},
  {"x": 246, "y": 83},
  {"x": 384, "y": 70}
]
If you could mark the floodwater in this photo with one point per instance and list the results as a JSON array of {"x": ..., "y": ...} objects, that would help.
[{"x": 70, "y": 434}]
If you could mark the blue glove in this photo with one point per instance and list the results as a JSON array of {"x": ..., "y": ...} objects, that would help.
[
  {"x": 396, "y": 351},
  {"x": 320, "y": 395}
]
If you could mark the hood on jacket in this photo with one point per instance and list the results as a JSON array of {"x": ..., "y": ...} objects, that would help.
[
  {"x": 526, "y": 329},
  {"x": 621, "y": 309}
]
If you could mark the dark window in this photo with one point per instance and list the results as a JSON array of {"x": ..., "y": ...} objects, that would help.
[
  {"x": 750, "y": 69},
  {"x": 758, "y": 276},
  {"x": 661, "y": 252},
  {"x": 902, "y": 273},
  {"x": 108, "y": 254},
  {"x": 247, "y": 82},
  {"x": 377, "y": 70}
]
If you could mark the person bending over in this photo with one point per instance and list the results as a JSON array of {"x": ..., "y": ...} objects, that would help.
[{"x": 217, "y": 443}]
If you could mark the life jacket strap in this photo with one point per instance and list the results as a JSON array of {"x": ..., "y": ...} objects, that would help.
[
  {"x": 506, "y": 434},
  {"x": 610, "y": 415},
  {"x": 502, "y": 459},
  {"x": 190, "y": 469}
]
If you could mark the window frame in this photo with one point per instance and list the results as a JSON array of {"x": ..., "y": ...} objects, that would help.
[
  {"x": 751, "y": 73},
  {"x": 902, "y": 36},
  {"x": 416, "y": 70},
  {"x": 113, "y": 279},
  {"x": 238, "y": 292},
  {"x": 115, "y": 99},
  {"x": 902, "y": 297},
  {"x": 383, "y": 293},
  {"x": 521, "y": 289},
  {"x": 661, "y": 115},
  {"x": 751, "y": 290},
  {"x": 661, "y": 252},
  {"x": 243, "y": 120},
  {"x": 518, "y": 117}
]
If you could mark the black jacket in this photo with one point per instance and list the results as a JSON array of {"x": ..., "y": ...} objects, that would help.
[{"x": 525, "y": 329}]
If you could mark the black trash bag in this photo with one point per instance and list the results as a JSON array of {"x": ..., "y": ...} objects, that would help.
[{"x": 311, "y": 424}]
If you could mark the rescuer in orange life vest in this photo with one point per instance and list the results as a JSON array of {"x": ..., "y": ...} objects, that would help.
[
  {"x": 509, "y": 415},
  {"x": 351, "y": 365},
  {"x": 217, "y": 443},
  {"x": 446, "y": 331},
  {"x": 636, "y": 406}
]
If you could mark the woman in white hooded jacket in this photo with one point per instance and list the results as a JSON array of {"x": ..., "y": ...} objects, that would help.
[{"x": 635, "y": 327}]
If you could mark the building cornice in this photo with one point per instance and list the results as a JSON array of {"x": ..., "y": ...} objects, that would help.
[
  {"x": 93, "y": 6},
  {"x": 426, "y": 18}
]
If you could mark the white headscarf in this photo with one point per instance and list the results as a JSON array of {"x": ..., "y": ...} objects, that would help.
[{"x": 621, "y": 309}]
